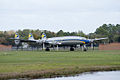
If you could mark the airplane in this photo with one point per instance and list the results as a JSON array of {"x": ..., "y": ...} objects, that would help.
[
  {"x": 58, "y": 41},
  {"x": 71, "y": 41}
]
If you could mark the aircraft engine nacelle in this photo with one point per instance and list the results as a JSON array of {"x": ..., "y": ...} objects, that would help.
[{"x": 17, "y": 42}]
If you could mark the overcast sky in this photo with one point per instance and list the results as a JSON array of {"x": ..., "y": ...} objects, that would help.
[{"x": 54, "y": 15}]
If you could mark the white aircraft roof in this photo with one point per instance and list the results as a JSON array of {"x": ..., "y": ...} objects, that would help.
[{"x": 66, "y": 37}]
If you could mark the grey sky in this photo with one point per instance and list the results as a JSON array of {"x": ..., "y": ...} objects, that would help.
[{"x": 54, "y": 15}]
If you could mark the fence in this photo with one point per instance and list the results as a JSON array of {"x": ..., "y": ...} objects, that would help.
[
  {"x": 5, "y": 48},
  {"x": 111, "y": 46}
]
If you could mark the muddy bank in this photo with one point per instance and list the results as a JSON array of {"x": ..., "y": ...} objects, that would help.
[{"x": 55, "y": 72}]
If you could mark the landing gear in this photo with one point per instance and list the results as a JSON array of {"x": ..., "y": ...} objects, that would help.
[
  {"x": 47, "y": 49},
  {"x": 72, "y": 49},
  {"x": 84, "y": 48}
]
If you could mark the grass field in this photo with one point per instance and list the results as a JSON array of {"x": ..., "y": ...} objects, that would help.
[{"x": 28, "y": 61}]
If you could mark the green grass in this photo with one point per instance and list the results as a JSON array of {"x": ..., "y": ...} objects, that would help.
[{"x": 22, "y": 61}]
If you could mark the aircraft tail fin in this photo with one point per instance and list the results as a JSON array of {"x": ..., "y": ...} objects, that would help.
[
  {"x": 30, "y": 37},
  {"x": 17, "y": 36},
  {"x": 43, "y": 36},
  {"x": 17, "y": 41}
]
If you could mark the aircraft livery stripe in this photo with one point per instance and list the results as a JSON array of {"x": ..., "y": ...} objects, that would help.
[{"x": 86, "y": 41}]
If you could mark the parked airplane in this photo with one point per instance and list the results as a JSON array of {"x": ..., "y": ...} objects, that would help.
[
  {"x": 71, "y": 41},
  {"x": 64, "y": 41}
]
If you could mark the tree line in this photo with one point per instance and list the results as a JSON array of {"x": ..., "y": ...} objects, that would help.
[{"x": 106, "y": 30}]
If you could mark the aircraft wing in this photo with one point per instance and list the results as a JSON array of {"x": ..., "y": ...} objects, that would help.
[
  {"x": 97, "y": 39},
  {"x": 23, "y": 40}
]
